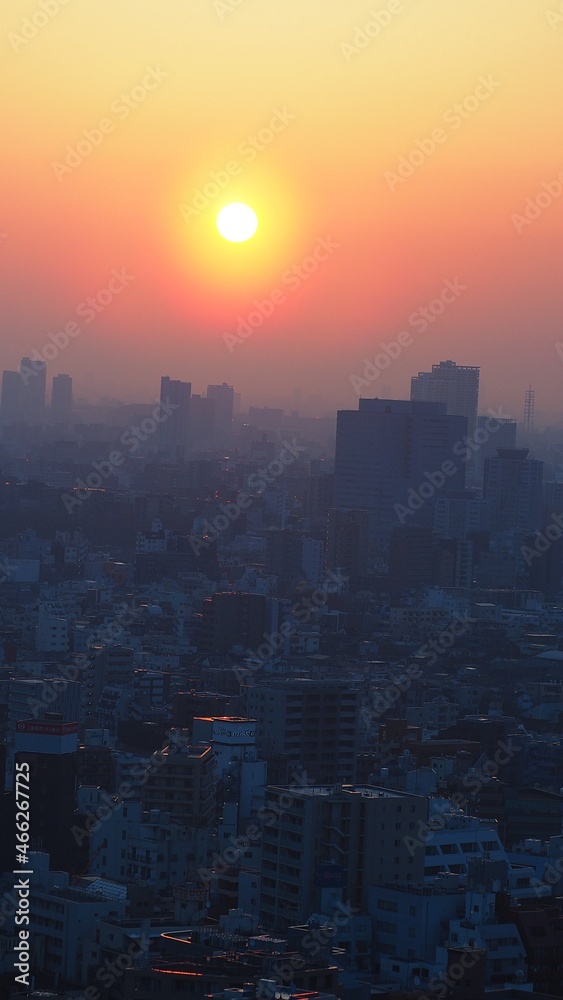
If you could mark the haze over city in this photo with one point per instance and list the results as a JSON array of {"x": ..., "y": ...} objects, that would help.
[
  {"x": 418, "y": 142},
  {"x": 281, "y": 500}
]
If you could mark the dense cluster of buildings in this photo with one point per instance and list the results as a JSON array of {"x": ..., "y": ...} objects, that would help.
[{"x": 289, "y": 693}]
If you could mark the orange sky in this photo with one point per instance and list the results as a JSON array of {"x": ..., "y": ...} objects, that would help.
[{"x": 117, "y": 113}]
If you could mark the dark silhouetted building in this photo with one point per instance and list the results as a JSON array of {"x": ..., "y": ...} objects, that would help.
[{"x": 512, "y": 486}]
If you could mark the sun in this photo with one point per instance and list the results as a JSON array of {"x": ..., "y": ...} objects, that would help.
[{"x": 237, "y": 222}]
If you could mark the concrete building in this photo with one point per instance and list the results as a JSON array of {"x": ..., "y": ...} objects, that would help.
[
  {"x": 52, "y": 634},
  {"x": 347, "y": 541},
  {"x": 49, "y": 751},
  {"x": 232, "y": 618},
  {"x": 63, "y": 920},
  {"x": 455, "y": 839},
  {"x": 385, "y": 453},
  {"x": 223, "y": 401},
  {"x": 61, "y": 399},
  {"x": 33, "y": 377},
  {"x": 181, "y": 782},
  {"x": 512, "y": 486},
  {"x": 455, "y": 385},
  {"x": 173, "y": 438},
  {"x": 133, "y": 845},
  {"x": 314, "y": 723},
  {"x": 11, "y": 406},
  {"x": 358, "y": 829}
]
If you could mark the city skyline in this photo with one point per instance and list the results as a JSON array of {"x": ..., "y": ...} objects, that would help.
[{"x": 373, "y": 189}]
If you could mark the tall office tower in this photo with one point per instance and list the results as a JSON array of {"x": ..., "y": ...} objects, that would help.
[
  {"x": 11, "y": 407},
  {"x": 202, "y": 424},
  {"x": 455, "y": 385},
  {"x": 61, "y": 399},
  {"x": 513, "y": 488},
  {"x": 223, "y": 397},
  {"x": 33, "y": 376},
  {"x": 313, "y": 723},
  {"x": 357, "y": 833},
  {"x": 173, "y": 436},
  {"x": 387, "y": 454},
  {"x": 529, "y": 405},
  {"x": 49, "y": 751}
]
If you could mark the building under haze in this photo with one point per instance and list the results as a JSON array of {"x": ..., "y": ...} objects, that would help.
[
  {"x": 455, "y": 385},
  {"x": 385, "y": 453},
  {"x": 23, "y": 394},
  {"x": 33, "y": 377},
  {"x": 174, "y": 428},
  {"x": 61, "y": 399},
  {"x": 223, "y": 399},
  {"x": 492, "y": 434},
  {"x": 11, "y": 398},
  {"x": 513, "y": 488}
]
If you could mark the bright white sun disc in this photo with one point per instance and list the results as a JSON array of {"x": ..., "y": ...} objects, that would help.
[{"x": 237, "y": 222}]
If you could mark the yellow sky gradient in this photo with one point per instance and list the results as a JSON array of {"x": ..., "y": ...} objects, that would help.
[{"x": 220, "y": 77}]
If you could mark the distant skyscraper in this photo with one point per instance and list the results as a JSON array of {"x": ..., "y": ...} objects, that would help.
[
  {"x": 513, "y": 487},
  {"x": 33, "y": 375},
  {"x": 173, "y": 438},
  {"x": 495, "y": 433},
  {"x": 61, "y": 399},
  {"x": 529, "y": 404},
  {"x": 455, "y": 385},
  {"x": 223, "y": 397},
  {"x": 202, "y": 423},
  {"x": 389, "y": 447},
  {"x": 11, "y": 398}
]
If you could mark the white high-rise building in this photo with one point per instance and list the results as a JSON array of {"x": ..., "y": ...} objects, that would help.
[{"x": 455, "y": 385}]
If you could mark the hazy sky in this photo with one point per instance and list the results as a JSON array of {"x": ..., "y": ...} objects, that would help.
[{"x": 400, "y": 142}]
